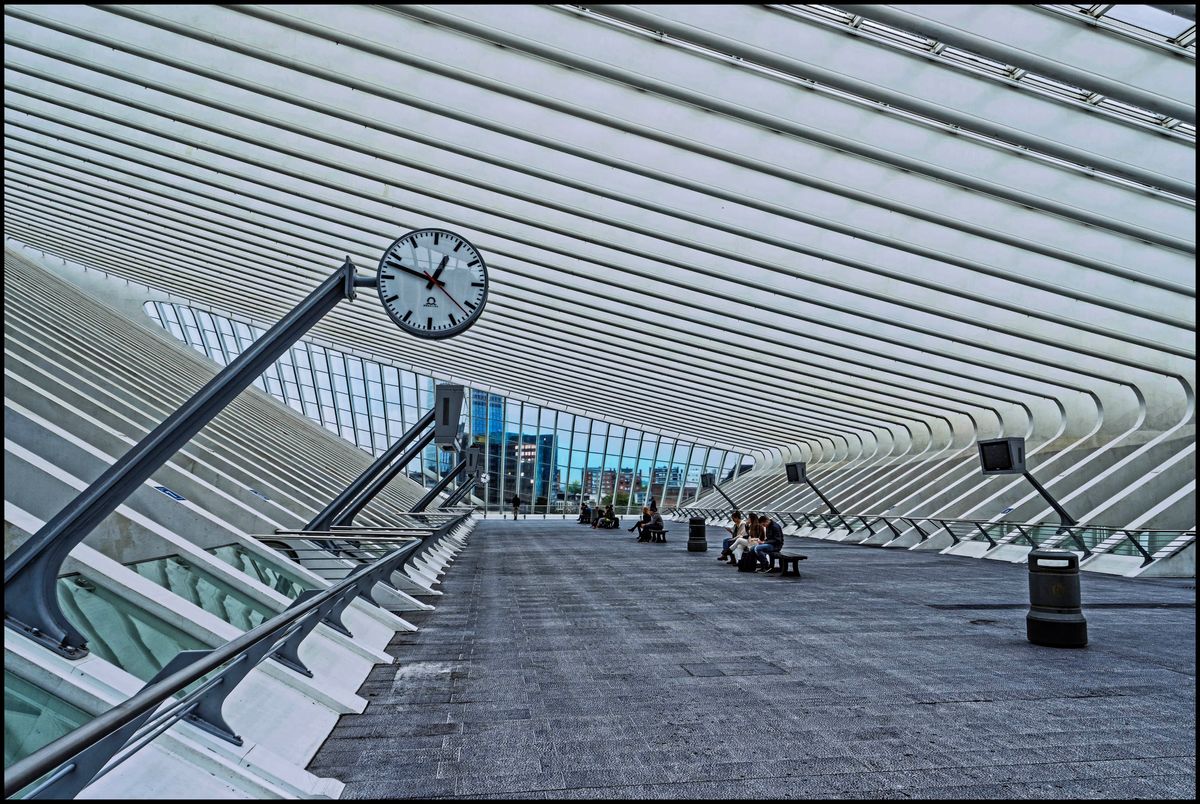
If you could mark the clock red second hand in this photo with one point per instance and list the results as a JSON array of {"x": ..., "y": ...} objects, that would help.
[{"x": 442, "y": 287}]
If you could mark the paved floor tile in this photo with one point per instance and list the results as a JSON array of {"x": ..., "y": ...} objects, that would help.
[{"x": 565, "y": 663}]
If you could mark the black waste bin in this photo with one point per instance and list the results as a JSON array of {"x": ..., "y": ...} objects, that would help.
[
  {"x": 697, "y": 543},
  {"x": 1055, "y": 617}
]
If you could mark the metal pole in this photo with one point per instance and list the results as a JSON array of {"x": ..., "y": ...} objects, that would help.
[
  {"x": 382, "y": 479},
  {"x": 458, "y": 494},
  {"x": 323, "y": 520},
  {"x": 30, "y": 601},
  {"x": 439, "y": 488},
  {"x": 1068, "y": 521},
  {"x": 822, "y": 496},
  {"x": 726, "y": 496}
]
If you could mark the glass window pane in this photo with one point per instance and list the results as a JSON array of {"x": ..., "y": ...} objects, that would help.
[{"x": 408, "y": 391}]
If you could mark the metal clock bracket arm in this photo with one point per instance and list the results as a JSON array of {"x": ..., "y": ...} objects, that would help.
[{"x": 356, "y": 280}]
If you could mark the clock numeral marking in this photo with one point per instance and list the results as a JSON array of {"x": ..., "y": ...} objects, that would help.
[
  {"x": 435, "y": 238},
  {"x": 470, "y": 304},
  {"x": 456, "y": 248},
  {"x": 473, "y": 262},
  {"x": 476, "y": 284},
  {"x": 406, "y": 315},
  {"x": 392, "y": 298},
  {"x": 453, "y": 320},
  {"x": 429, "y": 323},
  {"x": 387, "y": 276}
]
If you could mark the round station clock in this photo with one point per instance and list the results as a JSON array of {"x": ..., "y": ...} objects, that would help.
[{"x": 433, "y": 283}]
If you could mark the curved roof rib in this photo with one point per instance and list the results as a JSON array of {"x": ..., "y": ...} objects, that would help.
[{"x": 795, "y": 230}]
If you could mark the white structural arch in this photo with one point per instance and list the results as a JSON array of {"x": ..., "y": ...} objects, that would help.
[{"x": 862, "y": 236}]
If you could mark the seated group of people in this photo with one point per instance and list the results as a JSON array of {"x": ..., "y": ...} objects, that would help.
[
  {"x": 759, "y": 534},
  {"x": 606, "y": 519}
]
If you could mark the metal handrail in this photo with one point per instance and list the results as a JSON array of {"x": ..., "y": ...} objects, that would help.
[
  {"x": 74, "y": 759},
  {"x": 973, "y": 525}
]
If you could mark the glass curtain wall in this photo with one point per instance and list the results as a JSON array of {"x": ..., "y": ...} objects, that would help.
[{"x": 553, "y": 459}]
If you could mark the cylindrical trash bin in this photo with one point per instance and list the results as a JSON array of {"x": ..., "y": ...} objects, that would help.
[
  {"x": 1055, "y": 617},
  {"x": 697, "y": 543}
]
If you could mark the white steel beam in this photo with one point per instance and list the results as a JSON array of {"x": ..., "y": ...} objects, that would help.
[{"x": 1057, "y": 46}]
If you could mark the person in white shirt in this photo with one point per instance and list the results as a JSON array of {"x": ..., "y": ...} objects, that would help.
[{"x": 736, "y": 533}]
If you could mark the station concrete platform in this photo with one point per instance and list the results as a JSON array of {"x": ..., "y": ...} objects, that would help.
[{"x": 564, "y": 662}]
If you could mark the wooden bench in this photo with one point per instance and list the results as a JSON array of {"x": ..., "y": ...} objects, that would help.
[
  {"x": 787, "y": 560},
  {"x": 653, "y": 535}
]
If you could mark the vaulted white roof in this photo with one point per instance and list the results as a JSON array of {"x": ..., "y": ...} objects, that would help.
[{"x": 757, "y": 227}]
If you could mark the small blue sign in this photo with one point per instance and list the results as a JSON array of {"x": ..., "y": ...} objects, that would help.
[
  {"x": 1006, "y": 510},
  {"x": 173, "y": 495},
  {"x": 260, "y": 494}
]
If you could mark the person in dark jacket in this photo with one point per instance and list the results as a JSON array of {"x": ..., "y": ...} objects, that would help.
[
  {"x": 516, "y": 504},
  {"x": 773, "y": 542},
  {"x": 605, "y": 520},
  {"x": 642, "y": 523},
  {"x": 644, "y": 527},
  {"x": 585, "y": 513}
]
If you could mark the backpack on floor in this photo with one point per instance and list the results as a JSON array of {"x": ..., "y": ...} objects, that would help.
[{"x": 748, "y": 562}]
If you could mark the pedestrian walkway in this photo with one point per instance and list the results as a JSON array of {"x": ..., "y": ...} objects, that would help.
[{"x": 568, "y": 662}]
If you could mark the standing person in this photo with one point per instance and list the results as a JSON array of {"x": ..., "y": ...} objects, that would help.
[
  {"x": 516, "y": 504},
  {"x": 738, "y": 531},
  {"x": 652, "y": 505},
  {"x": 772, "y": 542}
]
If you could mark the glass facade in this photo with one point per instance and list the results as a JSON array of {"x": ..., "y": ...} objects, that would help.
[{"x": 553, "y": 459}]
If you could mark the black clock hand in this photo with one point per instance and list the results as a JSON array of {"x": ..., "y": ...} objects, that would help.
[
  {"x": 393, "y": 264},
  {"x": 441, "y": 267}
]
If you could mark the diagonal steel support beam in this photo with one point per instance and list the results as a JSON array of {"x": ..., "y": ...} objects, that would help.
[
  {"x": 1068, "y": 521},
  {"x": 824, "y": 499},
  {"x": 728, "y": 499},
  {"x": 346, "y": 517},
  {"x": 459, "y": 493},
  {"x": 424, "y": 502},
  {"x": 30, "y": 601},
  {"x": 325, "y": 519}
]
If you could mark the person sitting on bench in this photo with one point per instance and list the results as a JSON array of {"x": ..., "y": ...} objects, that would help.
[
  {"x": 738, "y": 531},
  {"x": 655, "y": 525},
  {"x": 773, "y": 542},
  {"x": 585, "y": 513},
  {"x": 605, "y": 520},
  {"x": 645, "y": 520},
  {"x": 751, "y": 536}
]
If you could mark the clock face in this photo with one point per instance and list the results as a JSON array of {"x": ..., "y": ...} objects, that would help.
[{"x": 433, "y": 283}]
